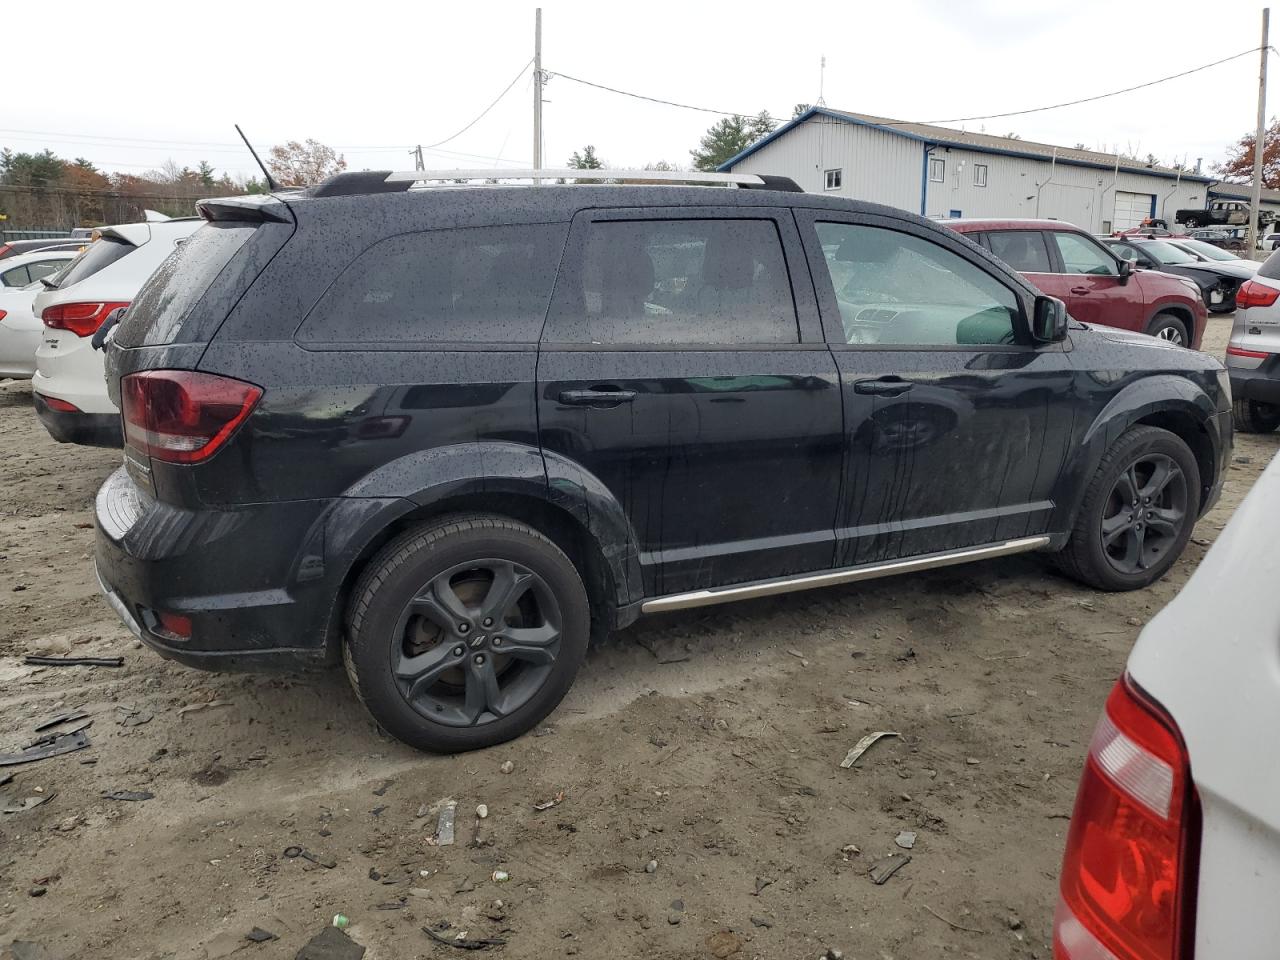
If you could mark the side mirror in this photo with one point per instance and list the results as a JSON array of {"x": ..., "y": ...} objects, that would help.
[
  {"x": 1126, "y": 271},
  {"x": 1049, "y": 320}
]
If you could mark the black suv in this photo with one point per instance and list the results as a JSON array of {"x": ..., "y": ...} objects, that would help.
[{"x": 448, "y": 434}]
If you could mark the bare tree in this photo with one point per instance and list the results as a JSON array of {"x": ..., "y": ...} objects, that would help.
[{"x": 297, "y": 164}]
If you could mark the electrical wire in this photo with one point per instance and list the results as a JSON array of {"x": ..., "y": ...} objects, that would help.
[
  {"x": 514, "y": 81},
  {"x": 641, "y": 96}
]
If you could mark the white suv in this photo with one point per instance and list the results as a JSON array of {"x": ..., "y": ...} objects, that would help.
[
  {"x": 69, "y": 385},
  {"x": 1174, "y": 846}
]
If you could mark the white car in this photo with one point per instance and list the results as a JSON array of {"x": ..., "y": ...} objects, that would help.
[
  {"x": 19, "y": 327},
  {"x": 1174, "y": 846},
  {"x": 69, "y": 385}
]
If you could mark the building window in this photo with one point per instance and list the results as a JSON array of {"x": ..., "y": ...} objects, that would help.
[
  {"x": 979, "y": 174},
  {"x": 834, "y": 179},
  {"x": 937, "y": 169},
  {"x": 1106, "y": 226}
]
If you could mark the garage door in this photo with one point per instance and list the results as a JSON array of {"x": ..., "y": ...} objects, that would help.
[{"x": 1131, "y": 209}]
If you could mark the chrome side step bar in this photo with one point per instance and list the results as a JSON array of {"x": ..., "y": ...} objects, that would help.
[{"x": 809, "y": 581}]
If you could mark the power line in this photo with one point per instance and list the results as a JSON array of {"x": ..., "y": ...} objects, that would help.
[
  {"x": 641, "y": 96},
  {"x": 514, "y": 81}
]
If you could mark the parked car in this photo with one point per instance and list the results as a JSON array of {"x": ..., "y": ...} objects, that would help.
[
  {"x": 1226, "y": 239},
  {"x": 1096, "y": 285},
  {"x": 1253, "y": 352},
  {"x": 1269, "y": 241},
  {"x": 1218, "y": 213},
  {"x": 14, "y": 248},
  {"x": 1209, "y": 251},
  {"x": 446, "y": 434},
  {"x": 1174, "y": 845},
  {"x": 1217, "y": 280},
  {"x": 68, "y": 387},
  {"x": 20, "y": 329}
]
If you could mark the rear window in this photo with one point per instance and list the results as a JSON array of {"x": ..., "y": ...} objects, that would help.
[
  {"x": 1024, "y": 250},
  {"x": 1271, "y": 269},
  {"x": 101, "y": 254},
  {"x": 179, "y": 282},
  {"x": 470, "y": 285}
]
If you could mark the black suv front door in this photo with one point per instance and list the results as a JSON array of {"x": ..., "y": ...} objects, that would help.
[
  {"x": 685, "y": 371},
  {"x": 956, "y": 424}
]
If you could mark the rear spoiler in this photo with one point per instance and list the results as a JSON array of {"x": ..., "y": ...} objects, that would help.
[{"x": 254, "y": 208}]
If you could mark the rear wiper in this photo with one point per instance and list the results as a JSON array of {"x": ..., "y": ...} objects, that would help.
[{"x": 49, "y": 284}]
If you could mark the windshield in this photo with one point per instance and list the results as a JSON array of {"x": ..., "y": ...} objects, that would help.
[
  {"x": 1206, "y": 250},
  {"x": 1167, "y": 253}
]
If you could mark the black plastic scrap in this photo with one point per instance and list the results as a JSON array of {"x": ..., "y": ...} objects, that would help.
[
  {"x": 74, "y": 661},
  {"x": 330, "y": 944},
  {"x": 258, "y": 935},
  {"x": 60, "y": 718},
  {"x": 133, "y": 796},
  {"x": 47, "y": 747},
  {"x": 465, "y": 944}
]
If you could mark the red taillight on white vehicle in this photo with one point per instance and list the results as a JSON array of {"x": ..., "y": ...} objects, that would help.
[
  {"x": 82, "y": 319},
  {"x": 1254, "y": 294},
  {"x": 1128, "y": 874},
  {"x": 1252, "y": 354},
  {"x": 182, "y": 416}
]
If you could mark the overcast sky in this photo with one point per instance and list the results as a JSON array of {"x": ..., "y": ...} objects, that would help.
[{"x": 159, "y": 80}]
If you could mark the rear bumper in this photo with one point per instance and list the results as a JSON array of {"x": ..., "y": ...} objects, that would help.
[
  {"x": 1261, "y": 384},
  {"x": 88, "y": 429},
  {"x": 234, "y": 573}
]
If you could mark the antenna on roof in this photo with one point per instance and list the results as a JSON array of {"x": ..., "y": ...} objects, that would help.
[
  {"x": 822, "y": 80},
  {"x": 271, "y": 181}
]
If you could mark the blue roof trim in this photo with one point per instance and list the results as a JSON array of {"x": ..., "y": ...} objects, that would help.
[{"x": 942, "y": 142}]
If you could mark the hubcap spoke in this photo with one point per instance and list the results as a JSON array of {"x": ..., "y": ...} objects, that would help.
[
  {"x": 1165, "y": 520},
  {"x": 439, "y": 603},
  {"x": 424, "y": 669},
  {"x": 483, "y": 694},
  {"x": 1127, "y": 485},
  {"x": 509, "y": 584},
  {"x": 1113, "y": 527},
  {"x": 1133, "y": 549},
  {"x": 1166, "y": 471},
  {"x": 530, "y": 643}
]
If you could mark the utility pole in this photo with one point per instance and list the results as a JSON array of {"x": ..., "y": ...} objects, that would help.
[
  {"x": 537, "y": 90},
  {"x": 1259, "y": 138},
  {"x": 416, "y": 153}
]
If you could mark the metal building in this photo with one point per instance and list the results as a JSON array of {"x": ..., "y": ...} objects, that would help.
[{"x": 940, "y": 172}]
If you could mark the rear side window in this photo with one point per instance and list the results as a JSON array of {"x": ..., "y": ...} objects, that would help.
[
  {"x": 471, "y": 285},
  {"x": 179, "y": 282},
  {"x": 1271, "y": 269},
  {"x": 101, "y": 254},
  {"x": 678, "y": 282},
  {"x": 1024, "y": 250}
]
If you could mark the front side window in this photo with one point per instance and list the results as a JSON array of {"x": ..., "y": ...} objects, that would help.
[
  {"x": 470, "y": 285},
  {"x": 1164, "y": 252},
  {"x": 1024, "y": 250},
  {"x": 834, "y": 179},
  {"x": 678, "y": 282},
  {"x": 1081, "y": 255},
  {"x": 937, "y": 169},
  {"x": 16, "y": 277},
  {"x": 898, "y": 289},
  {"x": 979, "y": 174}
]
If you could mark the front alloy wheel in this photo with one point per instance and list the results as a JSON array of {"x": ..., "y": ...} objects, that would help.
[{"x": 1145, "y": 513}]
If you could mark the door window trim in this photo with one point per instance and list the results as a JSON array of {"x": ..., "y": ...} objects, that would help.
[
  {"x": 803, "y": 295},
  {"x": 808, "y": 218}
]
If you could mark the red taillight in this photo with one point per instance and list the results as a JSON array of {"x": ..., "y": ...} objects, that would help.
[
  {"x": 1254, "y": 294},
  {"x": 82, "y": 319},
  {"x": 1254, "y": 354},
  {"x": 175, "y": 626},
  {"x": 62, "y": 406},
  {"x": 181, "y": 416},
  {"x": 1128, "y": 881},
  {"x": 3, "y": 314}
]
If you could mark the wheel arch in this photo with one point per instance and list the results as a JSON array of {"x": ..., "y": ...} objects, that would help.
[{"x": 1178, "y": 311}]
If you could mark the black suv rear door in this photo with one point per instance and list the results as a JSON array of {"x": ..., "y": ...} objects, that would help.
[
  {"x": 683, "y": 367},
  {"x": 956, "y": 423}
]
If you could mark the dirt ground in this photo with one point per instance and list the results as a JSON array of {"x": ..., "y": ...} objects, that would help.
[{"x": 709, "y": 742}]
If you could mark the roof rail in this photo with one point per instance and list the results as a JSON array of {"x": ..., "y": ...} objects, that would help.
[{"x": 388, "y": 181}]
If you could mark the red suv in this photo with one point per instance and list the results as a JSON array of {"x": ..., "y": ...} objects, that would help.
[{"x": 1097, "y": 287}]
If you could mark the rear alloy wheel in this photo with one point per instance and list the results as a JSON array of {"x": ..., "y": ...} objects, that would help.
[
  {"x": 1169, "y": 328},
  {"x": 1250, "y": 416},
  {"x": 1137, "y": 513},
  {"x": 466, "y": 633}
]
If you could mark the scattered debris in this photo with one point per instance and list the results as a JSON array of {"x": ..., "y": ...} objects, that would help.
[
  {"x": 132, "y": 796},
  {"x": 28, "y": 803},
  {"x": 833, "y": 954},
  {"x": 258, "y": 935},
  {"x": 906, "y": 839},
  {"x": 677, "y": 912},
  {"x": 499, "y": 876},
  {"x": 849, "y": 851},
  {"x": 724, "y": 943},
  {"x": 37, "y": 891},
  {"x": 461, "y": 942},
  {"x": 863, "y": 746},
  {"x": 193, "y": 707},
  {"x": 764, "y": 922},
  {"x": 482, "y": 811},
  {"x": 48, "y": 747},
  {"x": 651, "y": 866},
  {"x": 973, "y": 761},
  {"x": 381, "y": 791},
  {"x": 950, "y": 923},
  {"x": 293, "y": 853},
  {"x": 330, "y": 944},
  {"x": 34, "y": 661},
  {"x": 761, "y": 883},
  {"x": 553, "y": 802},
  {"x": 507, "y": 766},
  {"x": 341, "y": 921},
  {"x": 882, "y": 870},
  {"x": 133, "y": 716},
  {"x": 60, "y": 719},
  {"x": 444, "y": 824}
]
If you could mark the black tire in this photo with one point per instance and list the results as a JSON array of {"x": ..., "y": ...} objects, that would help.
[
  {"x": 1168, "y": 327},
  {"x": 395, "y": 618},
  {"x": 1087, "y": 558},
  {"x": 1250, "y": 416}
]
